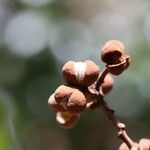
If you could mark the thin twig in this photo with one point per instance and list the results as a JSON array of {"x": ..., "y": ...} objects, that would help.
[
  {"x": 101, "y": 79},
  {"x": 122, "y": 134},
  {"x": 124, "y": 137}
]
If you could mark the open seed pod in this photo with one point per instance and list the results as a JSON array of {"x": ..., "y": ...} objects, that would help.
[
  {"x": 67, "y": 120},
  {"x": 112, "y": 52},
  {"x": 62, "y": 94},
  {"x": 107, "y": 85},
  {"x": 77, "y": 102},
  {"x": 80, "y": 73},
  {"x": 72, "y": 99},
  {"x": 117, "y": 69},
  {"x": 54, "y": 105}
]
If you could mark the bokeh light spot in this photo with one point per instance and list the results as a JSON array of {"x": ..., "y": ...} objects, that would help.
[
  {"x": 26, "y": 34},
  {"x": 70, "y": 39}
]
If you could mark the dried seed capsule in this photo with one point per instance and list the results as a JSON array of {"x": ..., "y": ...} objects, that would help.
[
  {"x": 72, "y": 99},
  {"x": 62, "y": 94},
  {"x": 144, "y": 144},
  {"x": 76, "y": 102},
  {"x": 67, "y": 120},
  {"x": 80, "y": 73},
  {"x": 107, "y": 85},
  {"x": 54, "y": 105},
  {"x": 92, "y": 72},
  {"x": 112, "y": 52},
  {"x": 117, "y": 69}
]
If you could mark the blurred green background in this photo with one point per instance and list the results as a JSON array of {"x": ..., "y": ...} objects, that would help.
[{"x": 37, "y": 37}]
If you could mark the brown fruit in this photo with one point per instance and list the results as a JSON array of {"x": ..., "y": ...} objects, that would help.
[
  {"x": 67, "y": 120},
  {"x": 54, "y": 105},
  {"x": 112, "y": 52},
  {"x": 117, "y": 69},
  {"x": 92, "y": 73},
  {"x": 76, "y": 102},
  {"x": 62, "y": 94},
  {"x": 80, "y": 73},
  {"x": 107, "y": 85},
  {"x": 72, "y": 99}
]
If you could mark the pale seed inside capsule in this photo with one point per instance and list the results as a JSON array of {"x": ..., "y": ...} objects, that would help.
[
  {"x": 80, "y": 69},
  {"x": 62, "y": 117}
]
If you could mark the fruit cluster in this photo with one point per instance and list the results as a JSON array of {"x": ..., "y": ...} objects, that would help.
[{"x": 82, "y": 79}]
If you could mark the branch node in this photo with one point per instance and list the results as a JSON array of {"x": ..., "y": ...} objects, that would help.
[{"x": 121, "y": 126}]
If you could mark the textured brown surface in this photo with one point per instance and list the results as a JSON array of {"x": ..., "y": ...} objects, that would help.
[
  {"x": 112, "y": 51},
  {"x": 92, "y": 73},
  {"x": 77, "y": 102},
  {"x": 54, "y": 105},
  {"x": 69, "y": 73},
  {"x": 71, "y": 98},
  {"x": 63, "y": 93},
  {"x": 117, "y": 69},
  {"x": 107, "y": 84}
]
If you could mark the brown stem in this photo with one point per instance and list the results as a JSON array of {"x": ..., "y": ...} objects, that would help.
[
  {"x": 124, "y": 137},
  {"x": 122, "y": 134},
  {"x": 101, "y": 78}
]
